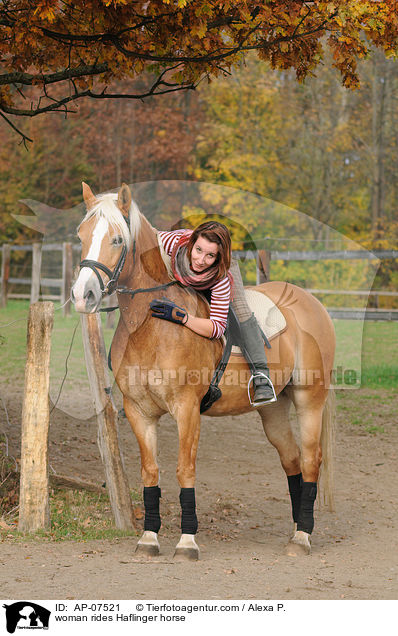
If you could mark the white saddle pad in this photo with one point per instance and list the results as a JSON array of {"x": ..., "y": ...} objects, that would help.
[{"x": 269, "y": 317}]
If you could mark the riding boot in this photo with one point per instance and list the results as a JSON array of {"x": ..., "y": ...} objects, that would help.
[{"x": 253, "y": 349}]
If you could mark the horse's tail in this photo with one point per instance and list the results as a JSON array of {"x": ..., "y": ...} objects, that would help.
[{"x": 327, "y": 445}]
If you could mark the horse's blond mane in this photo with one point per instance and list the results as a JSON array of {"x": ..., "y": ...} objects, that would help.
[{"x": 106, "y": 207}]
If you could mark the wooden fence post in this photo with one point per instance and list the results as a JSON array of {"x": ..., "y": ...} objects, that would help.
[
  {"x": 5, "y": 274},
  {"x": 67, "y": 275},
  {"x": 34, "y": 511},
  {"x": 111, "y": 301},
  {"x": 36, "y": 269},
  {"x": 263, "y": 263},
  {"x": 106, "y": 412}
]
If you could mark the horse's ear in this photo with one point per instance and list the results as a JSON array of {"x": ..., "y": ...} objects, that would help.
[
  {"x": 88, "y": 196},
  {"x": 124, "y": 199}
]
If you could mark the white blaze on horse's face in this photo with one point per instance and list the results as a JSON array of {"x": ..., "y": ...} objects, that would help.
[
  {"x": 86, "y": 292},
  {"x": 102, "y": 244}
]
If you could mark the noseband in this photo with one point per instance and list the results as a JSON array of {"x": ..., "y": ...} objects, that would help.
[{"x": 110, "y": 287}]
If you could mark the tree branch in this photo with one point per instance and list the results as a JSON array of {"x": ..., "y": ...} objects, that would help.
[
  {"x": 25, "y": 138},
  {"x": 60, "y": 104},
  {"x": 29, "y": 79}
]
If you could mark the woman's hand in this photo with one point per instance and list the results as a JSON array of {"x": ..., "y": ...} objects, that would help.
[{"x": 167, "y": 310}]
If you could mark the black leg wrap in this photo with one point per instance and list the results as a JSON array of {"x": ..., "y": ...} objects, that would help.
[
  {"x": 306, "y": 516},
  {"x": 295, "y": 487},
  {"x": 152, "y": 495},
  {"x": 189, "y": 520}
]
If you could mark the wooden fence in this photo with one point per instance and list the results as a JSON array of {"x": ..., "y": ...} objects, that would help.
[
  {"x": 263, "y": 259},
  {"x": 35, "y": 281}
]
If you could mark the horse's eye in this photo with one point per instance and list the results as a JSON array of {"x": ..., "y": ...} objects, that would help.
[{"x": 117, "y": 240}]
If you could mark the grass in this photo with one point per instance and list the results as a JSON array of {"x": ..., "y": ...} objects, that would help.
[
  {"x": 67, "y": 357},
  {"x": 13, "y": 326},
  {"x": 75, "y": 516},
  {"x": 371, "y": 349},
  {"x": 368, "y": 348}
]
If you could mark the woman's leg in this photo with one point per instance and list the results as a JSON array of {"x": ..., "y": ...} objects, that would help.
[
  {"x": 239, "y": 302},
  {"x": 253, "y": 341}
]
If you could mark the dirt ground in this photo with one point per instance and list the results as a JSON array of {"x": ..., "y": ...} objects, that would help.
[{"x": 244, "y": 517}]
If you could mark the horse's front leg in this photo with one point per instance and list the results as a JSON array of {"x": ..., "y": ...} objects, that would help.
[
  {"x": 187, "y": 416},
  {"x": 145, "y": 430}
]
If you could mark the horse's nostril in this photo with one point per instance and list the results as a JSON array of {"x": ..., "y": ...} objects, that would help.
[{"x": 89, "y": 296}]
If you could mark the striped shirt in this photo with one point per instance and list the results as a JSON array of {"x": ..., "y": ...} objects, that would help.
[{"x": 220, "y": 292}]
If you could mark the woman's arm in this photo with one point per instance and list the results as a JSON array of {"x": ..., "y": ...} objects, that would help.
[
  {"x": 202, "y": 326},
  {"x": 214, "y": 326}
]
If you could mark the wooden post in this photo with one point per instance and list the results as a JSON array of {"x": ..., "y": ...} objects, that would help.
[
  {"x": 34, "y": 511},
  {"x": 67, "y": 274},
  {"x": 263, "y": 263},
  {"x": 111, "y": 301},
  {"x": 36, "y": 269},
  {"x": 5, "y": 274},
  {"x": 106, "y": 412}
]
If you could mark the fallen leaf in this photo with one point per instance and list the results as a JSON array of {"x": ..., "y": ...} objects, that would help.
[{"x": 138, "y": 513}]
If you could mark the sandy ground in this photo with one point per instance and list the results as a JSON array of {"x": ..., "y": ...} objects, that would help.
[{"x": 244, "y": 517}]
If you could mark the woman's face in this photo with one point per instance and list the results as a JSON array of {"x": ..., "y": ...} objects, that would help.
[{"x": 204, "y": 254}]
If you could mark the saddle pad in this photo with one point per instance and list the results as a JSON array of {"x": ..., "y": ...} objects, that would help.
[{"x": 269, "y": 317}]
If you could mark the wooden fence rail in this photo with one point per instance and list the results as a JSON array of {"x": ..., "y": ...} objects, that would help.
[
  {"x": 63, "y": 284},
  {"x": 263, "y": 259}
]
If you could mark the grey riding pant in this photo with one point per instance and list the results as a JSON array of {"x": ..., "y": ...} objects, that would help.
[{"x": 239, "y": 302}]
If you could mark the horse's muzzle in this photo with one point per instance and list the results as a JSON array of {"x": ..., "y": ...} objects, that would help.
[{"x": 87, "y": 301}]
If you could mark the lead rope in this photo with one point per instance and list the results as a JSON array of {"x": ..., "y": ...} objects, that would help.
[{"x": 66, "y": 367}]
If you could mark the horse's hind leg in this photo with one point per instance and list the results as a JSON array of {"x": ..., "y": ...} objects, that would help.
[
  {"x": 145, "y": 430},
  {"x": 275, "y": 419},
  {"x": 309, "y": 407},
  {"x": 187, "y": 416}
]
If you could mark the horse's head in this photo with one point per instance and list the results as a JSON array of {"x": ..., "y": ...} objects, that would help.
[{"x": 105, "y": 237}]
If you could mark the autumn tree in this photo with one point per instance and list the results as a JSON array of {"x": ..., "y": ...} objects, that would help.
[{"x": 88, "y": 44}]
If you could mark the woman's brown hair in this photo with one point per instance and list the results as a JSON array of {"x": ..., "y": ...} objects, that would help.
[{"x": 214, "y": 232}]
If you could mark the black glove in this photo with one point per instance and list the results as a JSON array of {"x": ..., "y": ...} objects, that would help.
[{"x": 167, "y": 310}]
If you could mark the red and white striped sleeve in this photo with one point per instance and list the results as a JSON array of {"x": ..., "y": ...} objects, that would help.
[
  {"x": 219, "y": 305},
  {"x": 169, "y": 239}
]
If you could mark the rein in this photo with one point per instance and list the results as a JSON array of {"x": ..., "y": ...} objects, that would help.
[{"x": 133, "y": 292}]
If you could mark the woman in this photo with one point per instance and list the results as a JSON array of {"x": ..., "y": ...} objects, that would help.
[{"x": 202, "y": 259}]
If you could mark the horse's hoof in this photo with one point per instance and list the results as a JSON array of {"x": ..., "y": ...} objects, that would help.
[
  {"x": 186, "y": 554},
  {"x": 186, "y": 549},
  {"x": 148, "y": 545},
  {"x": 147, "y": 550},
  {"x": 299, "y": 545},
  {"x": 295, "y": 549}
]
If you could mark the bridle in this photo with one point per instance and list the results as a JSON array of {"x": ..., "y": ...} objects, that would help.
[
  {"x": 113, "y": 276},
  {"x": 111, "y": 285}
]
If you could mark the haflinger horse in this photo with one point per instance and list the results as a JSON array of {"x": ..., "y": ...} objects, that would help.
[{"x": 120, "y": 248}]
